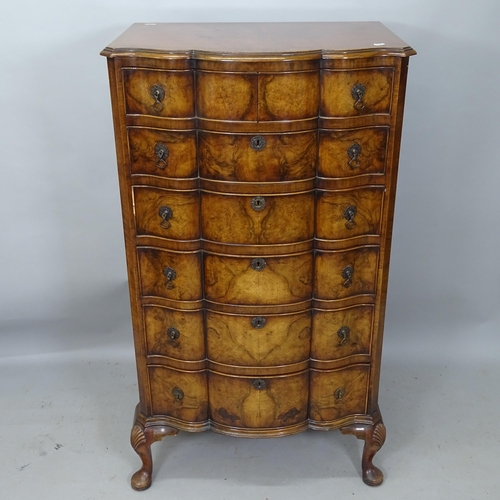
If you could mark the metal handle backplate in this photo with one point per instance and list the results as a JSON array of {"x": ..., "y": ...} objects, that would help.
[{"x": 178, "y": 394}]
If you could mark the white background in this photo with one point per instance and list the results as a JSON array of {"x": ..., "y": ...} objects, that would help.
[{"x": 62, "y": 264}]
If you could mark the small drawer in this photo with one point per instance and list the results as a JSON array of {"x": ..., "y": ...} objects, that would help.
[
  {"x": 172, "y": 275},
  {"x": 226, "y": 96},
  {"x": 254, "y": 402},
  {"x": 258, "y": 340},
  {"x": 179, "y": 394},
  {"x": 341, "y": 333},
  {"x": 346, "y": 273},
  {"x": 289, "y": 96},
  {"x": 162, "y": 153},
  {"x": 168, "y": 94},
  {"x": 257, "y": 158},
  {"x": 257, "y": 280},
  {"x": 263, "y": 219},
  {"x": 347, "y": 153},
  {"x": 336, "y": 394},
  {"x": 349, "y": 213},
  {"x": 176, "y": 334},
  {"x": 165, "y": 213},
  {"x": 356, "y": 92}
]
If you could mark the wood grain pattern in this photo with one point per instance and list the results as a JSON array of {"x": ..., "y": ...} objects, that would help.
[
  {"x": 284, "y": 339},
  {"x": 329, "y": 283},
  {"x": 189, "y": 346},
  {"x": 193, "y": 407},
  {"x": 336, "y": 86},
  {"x": 324, "y": 403},
  {"x": 229, "y": 157},
  {"x": 234, "y": 401},
  {"x": 181, "y": 161},
  {"x": 185, "y": 206},
  {"x": 331, "y": 223},
  {"x": 289, "y": 96},
  {"x": 186, "y": 285},
  {"x": 226, "y": 96},
  {"x": 231, "y": 219},
  {"x": 333, "y": 158},
  {"x": 179, "y": 92},
  {"x": 326, "y": 344},
  {"x": 284, "y": 280}
]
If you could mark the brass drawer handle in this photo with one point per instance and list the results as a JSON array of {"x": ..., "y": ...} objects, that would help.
[
  {"x": 178, "y": 394},
  {"x": 258, "y": 264},
  {"x": 170, "y": 276},
  {"x": 347, "y": 274},
  {"x": 173, "y": 333},
  {"x": 349, "y": 214},
  {"x": 258, "y": 143},
  {"x": 343, "y": 334},
  {"x": 166, "y": 214},
  {"x": 354, "y": 152},
  {"x": 258, "y": 203},
  {"x": 158, "y": 94},
  {"x": 339, "y": 394},
  {"x": 259, "y": 322},
  {"x": 259, "y": 384},
  {"x": 161, "y": 152},
  {"x": 358, "y": 92}
]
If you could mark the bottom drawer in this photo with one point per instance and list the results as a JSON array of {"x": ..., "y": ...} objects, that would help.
[
  {"x": 179, "y": 394},
  {"x": 336, "y": 394},
  {"x": 252, "y": 402}
]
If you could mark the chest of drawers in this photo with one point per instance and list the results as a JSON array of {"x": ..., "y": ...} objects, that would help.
[{"x": 257, "y": 167}]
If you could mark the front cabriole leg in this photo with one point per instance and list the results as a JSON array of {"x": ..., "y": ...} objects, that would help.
[
  {"x": 374, "y": 437},
  {"x": 141, "y": 439}
]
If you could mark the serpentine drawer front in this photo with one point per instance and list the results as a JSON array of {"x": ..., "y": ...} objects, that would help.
[{"x": 257, "y": 167}]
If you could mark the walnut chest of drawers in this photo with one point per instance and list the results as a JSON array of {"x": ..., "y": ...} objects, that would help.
[{"x": 257, "y": 167}]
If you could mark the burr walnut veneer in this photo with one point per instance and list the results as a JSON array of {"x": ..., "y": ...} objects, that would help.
[{"x": 257, "y": 167}]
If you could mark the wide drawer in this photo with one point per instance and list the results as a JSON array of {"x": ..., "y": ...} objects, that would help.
[
  {"x": 167, "y": 213},
  {"x": 159, "y": 92},
  {"x": 347, "y": 153},
  {"x": 163, "y": 153},
  {"x": 266, "y": 340},
  {"x": 341, "y": 333},
  {"x": 265, "y": 219},
  {"x": 254, "y": 402},
  {"x": 349, "y": 213},
  {"x": 257, "y": 97},
  {"x": 335, "y": 394},
  {"x": 347, "y": 273},
  {"x": 257, "y": 280},
  {"x": 179, "y": 394},
  {"x": 172, "y": 275},
  {"x": 257, "y": 158},
  {"x": 175, "y": 334},
  {"x": 356, "y": 92}
]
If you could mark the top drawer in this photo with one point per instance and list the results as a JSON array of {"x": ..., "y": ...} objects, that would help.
[
  {"x": 346, "y": 93},
  {"x": 169, "y": 94}
]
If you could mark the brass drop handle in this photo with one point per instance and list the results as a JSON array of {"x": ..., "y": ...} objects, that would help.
[
  {"x": 258, "y": 143},
  {"x": 173, "y": 333},
  {"x": 170, "y": 276},
  {"x": 258, "y": 203},
  {"x": 349, "y": 214},
  {"x": 259, "y": 384},
  {"x": 259, "y": 322},
  {"x": 158, "y": 94},
  {"x": 358, "y": 92},
  {"x": 354, "y": 152},
  {"x": 343, "y": 334},
  {"x": 258, "y": 264},
  {"x": 161, "y": 152},
  {"x": 339, "y": 394},
  {"x": 166, "y": 214},
  {"x": 347, "y": 274},
  {"x": 178, "y": 394}
]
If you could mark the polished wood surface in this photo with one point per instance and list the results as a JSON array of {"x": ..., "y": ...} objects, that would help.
[{"x": 257, "y": 167}]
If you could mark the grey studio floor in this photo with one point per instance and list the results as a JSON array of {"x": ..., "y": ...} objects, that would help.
[{"x": 68, "y": 391}]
